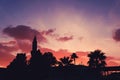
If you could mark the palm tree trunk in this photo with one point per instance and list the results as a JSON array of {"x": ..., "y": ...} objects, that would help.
[{"x": 74, "y": 61}]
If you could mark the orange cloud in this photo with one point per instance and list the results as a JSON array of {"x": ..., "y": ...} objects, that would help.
[
  {"x": 112, "y": 61},
  {"x": 64, "y": 52}
]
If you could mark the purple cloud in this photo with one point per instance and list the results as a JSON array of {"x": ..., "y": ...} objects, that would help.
[
  {"x": 22, "y": 32},
  {"x": 116, "y": 35}
]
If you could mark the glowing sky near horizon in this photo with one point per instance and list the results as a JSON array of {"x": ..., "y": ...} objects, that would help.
[{"x": 89, "y": 24}]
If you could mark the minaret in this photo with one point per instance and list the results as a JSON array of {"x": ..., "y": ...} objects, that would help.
[{"x": 34, "y": 46}]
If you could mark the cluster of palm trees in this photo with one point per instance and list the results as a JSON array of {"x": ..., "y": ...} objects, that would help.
[
  {"x": 96, "y": 59},
  {"x": 65, "y": 61}
]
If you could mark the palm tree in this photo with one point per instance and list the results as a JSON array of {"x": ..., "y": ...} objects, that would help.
[
  {"x": 74, "y": 56},
  {"x": 66, "y": 61},
  {"x": 96, "y": 59}
]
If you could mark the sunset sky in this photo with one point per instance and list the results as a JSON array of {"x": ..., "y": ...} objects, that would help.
[{"x": 61, "y": 26}]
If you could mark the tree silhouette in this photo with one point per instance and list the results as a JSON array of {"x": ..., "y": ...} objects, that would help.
[
  {"x": 74, "y": 56},
  {"x": 49, "y": 59},
  {"x": 60, "y": 63},
  {"x": 17, "y": 68},
  {"x": 96, "y": 59},
  {"x": 19, "y": 63},
  {"x": 66, "y": 61}
]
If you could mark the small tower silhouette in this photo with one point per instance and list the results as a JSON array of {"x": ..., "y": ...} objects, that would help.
[{"x": 34, "y": 46}]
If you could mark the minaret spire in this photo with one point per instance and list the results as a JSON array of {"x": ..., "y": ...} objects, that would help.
[{"x": 34, "y": 44}]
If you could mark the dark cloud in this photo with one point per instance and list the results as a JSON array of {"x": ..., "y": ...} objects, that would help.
[
  {"x": 116, "y": 35},
  {"x": 65, "y": 38},
  {"x": 22, "y": 32}
]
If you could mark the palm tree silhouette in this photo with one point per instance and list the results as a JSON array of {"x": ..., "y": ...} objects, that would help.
[
  {"x": 96, "y": 59},
  {"x": 74, "y": 56},
  {"x": 66, "y": 61}
]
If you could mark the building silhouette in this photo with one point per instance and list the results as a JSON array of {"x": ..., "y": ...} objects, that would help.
[{"x": 36, "y": 55}]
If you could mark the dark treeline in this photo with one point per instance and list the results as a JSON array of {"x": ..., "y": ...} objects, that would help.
[{"x": 46, "y": 67}]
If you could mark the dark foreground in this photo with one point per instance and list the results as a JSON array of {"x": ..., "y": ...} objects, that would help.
[{"x": 58, "y": 73}]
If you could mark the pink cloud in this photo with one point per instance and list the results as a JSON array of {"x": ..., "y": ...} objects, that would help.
[
  {"x": 5, "y": 53},
  {"x": 24, "y": 45},
  {"x": 8, "y": 48},
  {"x": 48, "y": 32},
  {"x": 65, "y": 38},
  {"x": 9, "y": 43},
  {"x": 81, "y": 38}
]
